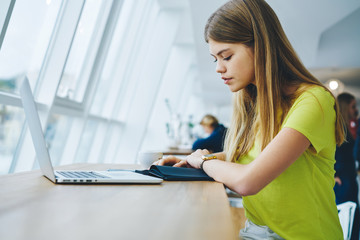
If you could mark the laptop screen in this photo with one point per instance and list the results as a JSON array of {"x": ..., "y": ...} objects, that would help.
[{"x": 36, "y": 132}]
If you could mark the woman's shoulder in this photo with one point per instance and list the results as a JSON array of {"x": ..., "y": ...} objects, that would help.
[
  {"x": 220, "y": 129},
  {"x": 316, "y": 94}
]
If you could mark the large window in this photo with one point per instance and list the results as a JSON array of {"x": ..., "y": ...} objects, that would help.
[
  {"x": 23, "y": 52},
  {"x": 96, "y": 68}
]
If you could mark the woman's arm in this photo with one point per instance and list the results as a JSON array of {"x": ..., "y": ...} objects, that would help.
[
  {"x": 198, "y": 153},
  {"x": 249, "y": 179},
  {"x": 220, "y": 155}
]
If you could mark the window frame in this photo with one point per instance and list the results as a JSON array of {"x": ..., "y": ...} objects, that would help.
[{"x": 5, "y": 16}]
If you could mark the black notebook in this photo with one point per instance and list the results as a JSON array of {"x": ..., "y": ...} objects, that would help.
[{"x": 176, "y": 173}]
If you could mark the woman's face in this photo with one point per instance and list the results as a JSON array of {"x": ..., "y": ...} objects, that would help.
[
  {"x": 353, "y": 112},
  {"x": 208, "y": 129},
  {"x": 235, "y": 63}
]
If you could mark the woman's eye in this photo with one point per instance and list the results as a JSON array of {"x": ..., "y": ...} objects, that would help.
[
  {"x": 228, "y": 58},
  {"x": 215, "y": 60}
]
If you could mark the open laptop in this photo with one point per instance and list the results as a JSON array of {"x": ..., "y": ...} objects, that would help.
[{"x": 69, "y": 176}]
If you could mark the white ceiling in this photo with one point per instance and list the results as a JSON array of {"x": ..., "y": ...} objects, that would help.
[{"x": 325, "y": 34}]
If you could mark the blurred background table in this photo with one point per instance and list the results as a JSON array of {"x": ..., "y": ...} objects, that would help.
[{"x": 179, "y": 151}]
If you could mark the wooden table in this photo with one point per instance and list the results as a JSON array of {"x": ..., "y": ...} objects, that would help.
[{"x": 32, "y": 207}]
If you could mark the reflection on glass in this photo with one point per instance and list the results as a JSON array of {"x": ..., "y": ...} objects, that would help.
[
  {"x": 56, "y": 134},
  {"x": 115, "y": 64},
  {"x": 86, "y": 141},
  {"x": 73, "y": 83},
  {"x": 113, "y": 140},
  {"x": 26, "y": 42},
  {"x": 11, "y": 122}
]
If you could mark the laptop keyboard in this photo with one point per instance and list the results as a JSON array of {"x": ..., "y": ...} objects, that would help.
[{"x": 80, "y": 174}]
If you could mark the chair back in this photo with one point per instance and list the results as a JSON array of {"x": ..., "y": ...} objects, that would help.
[{"x": 346, "y": 215}]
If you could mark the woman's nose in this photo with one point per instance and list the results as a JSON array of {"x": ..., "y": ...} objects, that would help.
[{"x": 220, "y": 68}]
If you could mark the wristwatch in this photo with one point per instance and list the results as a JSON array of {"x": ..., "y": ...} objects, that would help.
[
  {"x": 205, "y": 158},
  {"x": 208, "y": 157}
]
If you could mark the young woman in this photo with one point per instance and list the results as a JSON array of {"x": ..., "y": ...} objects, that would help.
[
  {"x": 280, "y": 146},
  {"x": 346, "y": 187},
  {"x": 215, "y": 141}
]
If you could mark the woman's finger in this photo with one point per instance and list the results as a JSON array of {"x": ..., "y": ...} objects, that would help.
[
  {"x": 168, "y": 161},
  {"x": 182, "y": 163}
]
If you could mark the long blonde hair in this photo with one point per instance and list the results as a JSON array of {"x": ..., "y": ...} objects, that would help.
[{"x": 277, "y": 66}]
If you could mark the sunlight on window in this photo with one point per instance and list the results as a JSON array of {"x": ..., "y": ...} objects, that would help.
[
  {"x": 57, "y": 132},
  {"x": 26, "y": 42},
  {"x": 73, "y": 82},
  {"x": 111, "y": 77},
  {"x": 86, "y": 141}
]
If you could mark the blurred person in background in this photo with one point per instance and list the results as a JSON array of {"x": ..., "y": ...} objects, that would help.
[
  {"x": 215, "y": 141},
  {"x": 355, "y": 131},
  {"x": 346, "y": 186},
  {"x": 354, "y": 124},
  {"x": 357, "y": 147}
]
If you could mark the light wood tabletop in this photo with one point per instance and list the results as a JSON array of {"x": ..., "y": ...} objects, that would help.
[
  {"x": 32, "y": 207},
  {"x": 183, "y": 152}
]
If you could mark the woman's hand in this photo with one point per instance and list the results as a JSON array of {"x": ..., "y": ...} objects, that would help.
[
  {"x": 195, "y": 160},
  {"x": 172, "y": 161}
]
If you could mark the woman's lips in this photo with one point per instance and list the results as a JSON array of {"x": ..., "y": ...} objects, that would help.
[{"x": 226, "y": 80}]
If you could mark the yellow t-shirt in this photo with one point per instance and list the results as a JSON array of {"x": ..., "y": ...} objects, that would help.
[{"x": 300, "y": 203}]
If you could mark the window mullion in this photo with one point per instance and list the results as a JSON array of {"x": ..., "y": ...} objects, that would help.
[
  {"x": 6, "y": 8},
  {"x": 59, "y": 49}
]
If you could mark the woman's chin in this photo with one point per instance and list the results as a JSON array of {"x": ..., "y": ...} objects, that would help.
[{"x": 234, "y": 89}]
